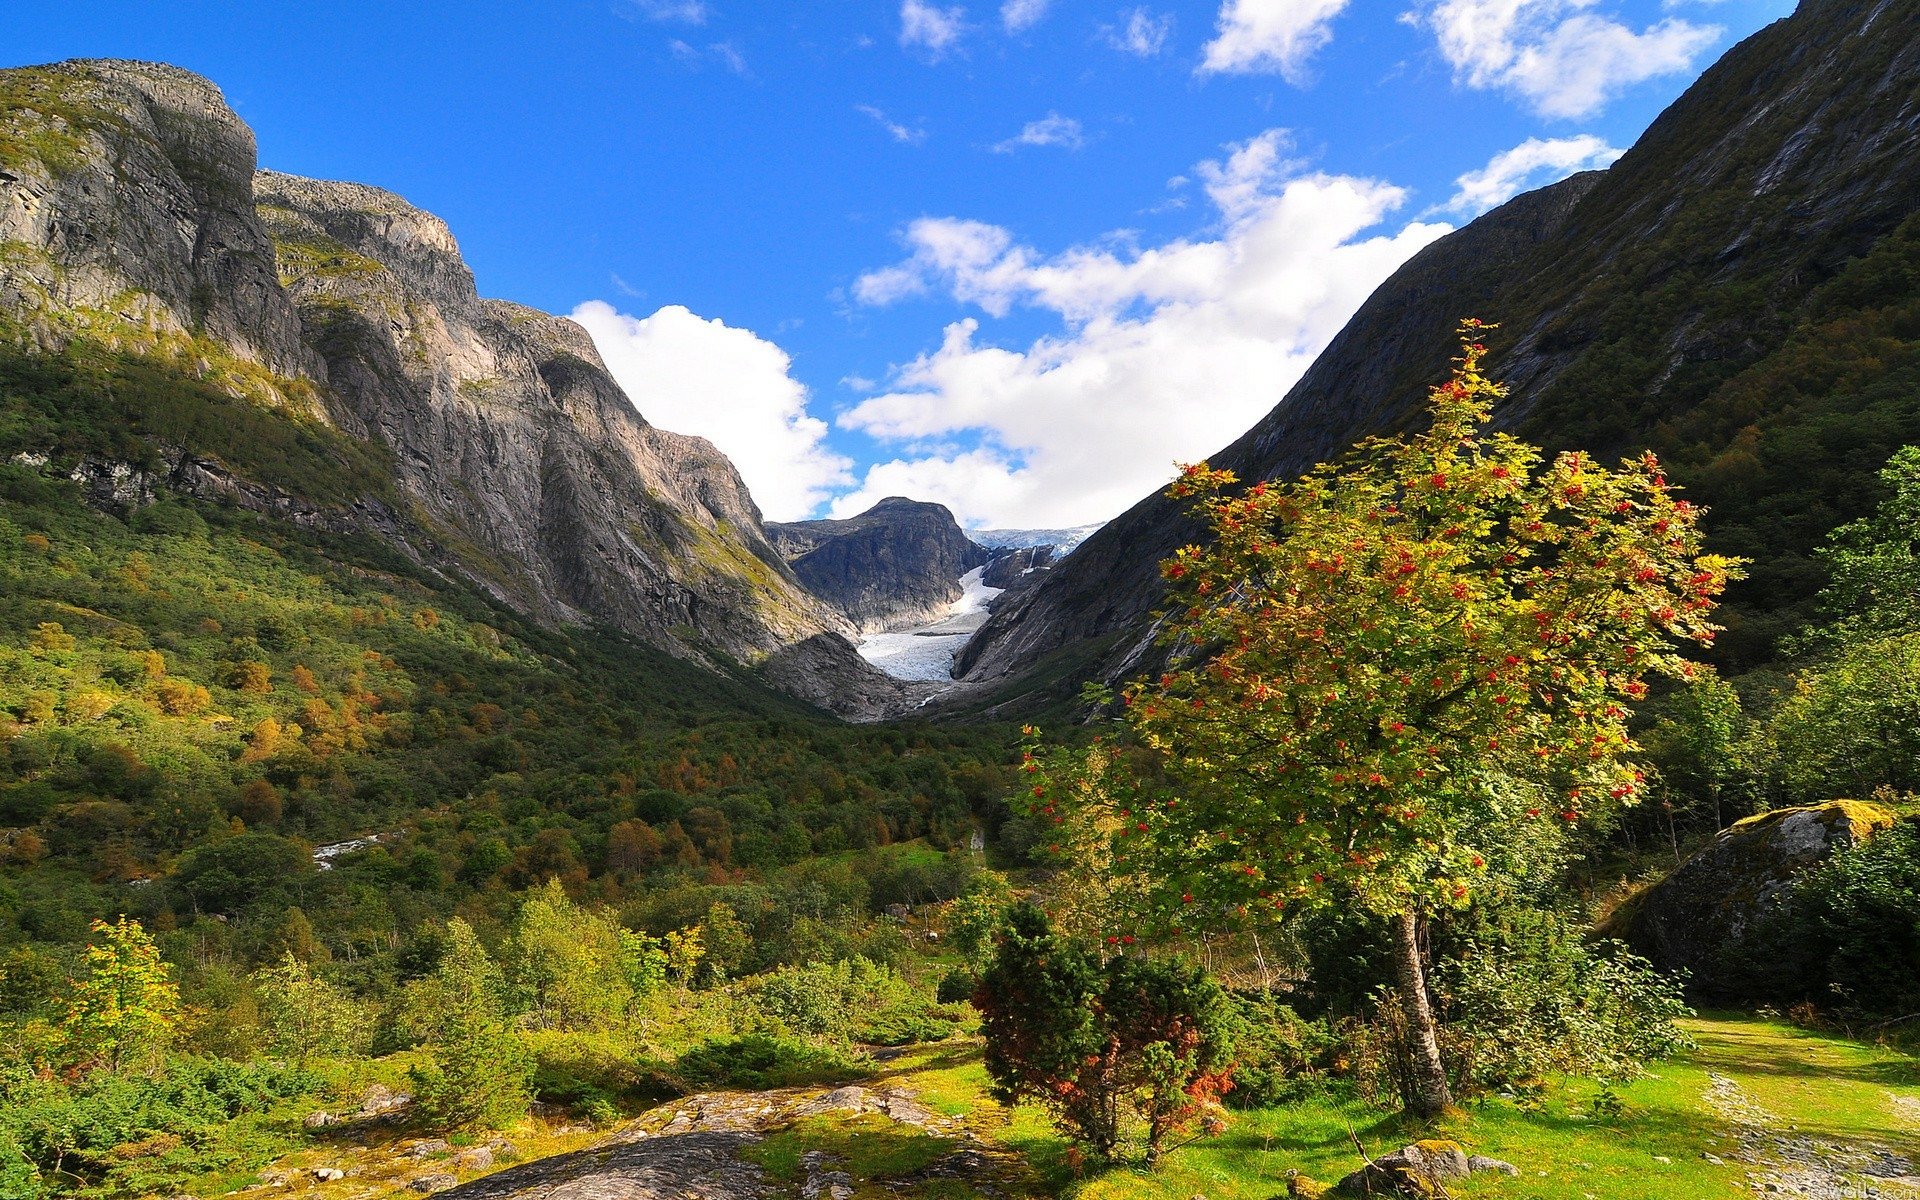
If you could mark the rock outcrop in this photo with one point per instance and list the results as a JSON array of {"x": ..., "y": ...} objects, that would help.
[
  {"x": 896, "y": 565},
  {"x": 496, "y": 445},
  {"x": 1424, "y": 1168},
  {"x": 1631, "y": 300},
  {"x": 1698, "y": 918},
  {"x": 699, "y": 1146},
  {"x": 511, "y": 434},
  {"x": 1008, "y": 567},
  {"x": 126, "y": 191}
]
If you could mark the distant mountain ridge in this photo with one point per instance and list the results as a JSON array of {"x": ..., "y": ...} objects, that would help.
[
  {"x": 896, "y": 565},
  {"x": 1740, "y": 292},
  {"x": 486, "y": 438}
]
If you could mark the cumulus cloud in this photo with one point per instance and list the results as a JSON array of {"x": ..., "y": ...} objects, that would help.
[
  {"x": 912, "y": 135},
  {"x": 1017, "y": 15},
  {"x": 1050, "y": 130},
  {"x": 1267, "y": 36},
  {"x": 1562, "y": 58},
  {"x": 735, "y": 389},
  {"x": 1140, "y": 32},
  {"x": 935, "y": 30},
  {"x": 1534, "y": 163},
  {"x": 1163, "y": 352}
]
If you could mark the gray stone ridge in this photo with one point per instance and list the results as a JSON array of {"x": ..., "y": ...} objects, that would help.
[{"x": 132, "y": 212}]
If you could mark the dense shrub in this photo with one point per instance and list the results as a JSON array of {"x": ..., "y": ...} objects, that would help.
[
  {"x": 1278, "y": 1056},
  {"x": 956, "y": 986},
  {"x": 50, "y": 1125},
  {"x": 757, "y": 1061},
  {"x": 1099, "y": 1042},
  {"x": 1847, "y": 937}
]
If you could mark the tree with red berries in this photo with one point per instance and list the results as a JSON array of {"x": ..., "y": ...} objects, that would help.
[{"x": 1387, "y": 671}]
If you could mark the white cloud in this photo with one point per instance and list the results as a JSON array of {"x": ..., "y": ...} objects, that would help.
[
  {"x": 692, "y": 12},
  {"x": 898, "y": 131},
  {"x": 1257, "y": 36},
  {"x": 1050, "y": 130},
  {"x": 934, "y": 29},
  {"x": 729, "y": 386},
  {"x": 1562, "y": 58},
  {"x": 1534, "y": 163},
  {"x": 1140, "y": 33},
  {"x": 1017, "y": 15},
  {"x": 1164, "y": 353}
]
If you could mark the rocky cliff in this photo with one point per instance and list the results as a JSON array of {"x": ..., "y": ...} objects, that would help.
[
  {"x": 488, "y": 437},
  {"x": 1724, "y": 293},
  {"x": 896, "y": 565}
]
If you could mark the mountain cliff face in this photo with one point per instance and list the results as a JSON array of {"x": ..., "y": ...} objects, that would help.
[
  {"x": 487, "y": 437},
  {"x": 896, "y": 565},
  {"x": 1739, "y": 292}
]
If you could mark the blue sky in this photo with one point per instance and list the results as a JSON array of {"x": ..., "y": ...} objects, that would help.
[{"x": 1017, "y": 257}]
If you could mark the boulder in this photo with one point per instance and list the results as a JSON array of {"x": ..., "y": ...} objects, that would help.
[
  {"x": 427, "y": 1185},
  {"x": 1410, "y": 1171},
  {"x": 1699, "y": 917}
]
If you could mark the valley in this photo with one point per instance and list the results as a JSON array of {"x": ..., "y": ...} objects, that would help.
[{"x": 1496, "y": 772}]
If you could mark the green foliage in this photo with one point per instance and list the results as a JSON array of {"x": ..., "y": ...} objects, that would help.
[
  {"x": 1873, "y": 585},
  {"x": 956, "y": 987},
  {"x": 1527, "y": 997},
  {"x": 758, "y": 1061},
  {"x": 1278, "y": 1055},
  {"x": 123, "y": 1009},
  {"x": 1095, "y": 1042},
  {"x": 306, "y": 1016},
  {"x": 82, "y": 1132},
  {"x": 117, "y": 390},
  {"x": 1851, "y": 725},
  {"x": 1399, "y": 663},
  {"x": 478, "y": 1072},
  {"x": 236, "y": 873},
  {"x": 853, "y": 998},
  {"x": 1847, "y": 937},
  {"x": 574, "y": 968}
]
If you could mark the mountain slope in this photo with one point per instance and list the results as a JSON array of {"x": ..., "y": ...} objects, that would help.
[
  {"x": 487, "y": 438},
  {"x": 897, "y": 564},
  {"x": 1736, "y": 292}
]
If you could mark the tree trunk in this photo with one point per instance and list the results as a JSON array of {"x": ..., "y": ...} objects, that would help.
[{"x": 1428, "y": 1094}]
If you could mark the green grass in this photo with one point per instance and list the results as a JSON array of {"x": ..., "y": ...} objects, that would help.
[
  {"x": 870, "y": 1148},
  {"x": 1826, "y": 1087}
]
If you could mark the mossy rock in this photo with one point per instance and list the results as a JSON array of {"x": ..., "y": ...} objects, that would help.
[{"x": 1698, "y": 918}]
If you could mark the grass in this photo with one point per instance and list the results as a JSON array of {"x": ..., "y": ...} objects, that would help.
[
  {"x": 1656, "y": 1149},
  {"x": 870, "y": 1148}
]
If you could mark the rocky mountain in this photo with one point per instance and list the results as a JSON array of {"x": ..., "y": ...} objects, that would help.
[
  {"x": 896, "y": 565},
  {"x": 1011, "y": 564},
  {"x": 352, "y": 378},
  {"x": 1740, "y": 292}
]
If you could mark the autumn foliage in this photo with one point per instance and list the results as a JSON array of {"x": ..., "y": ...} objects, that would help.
[{"x": 1393, "y": 676}]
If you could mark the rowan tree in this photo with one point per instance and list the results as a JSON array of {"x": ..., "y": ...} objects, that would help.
[{"x": 1389, "y": 675}]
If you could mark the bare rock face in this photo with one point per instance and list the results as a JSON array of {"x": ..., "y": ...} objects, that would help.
[
  {"x": 131, "y": 215},
  {"x": 126, "y": 189},
  {"x": 511, "y": 434},
  {"x": 1011, "y": 566},
  {"x": 894, "y": 566},
  {"x": 1698, "y": 918}
]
